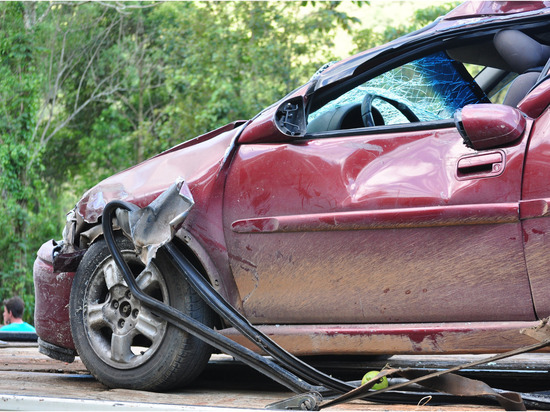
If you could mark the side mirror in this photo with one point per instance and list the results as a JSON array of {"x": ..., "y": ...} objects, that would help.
[
  {"x": 290, "y": 117},
  {"x": 281, "y": 123},
  {"x": 487, "y": 126}
]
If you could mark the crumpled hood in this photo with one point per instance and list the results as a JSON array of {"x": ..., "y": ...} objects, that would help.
[{"x": 196, "y": 161}]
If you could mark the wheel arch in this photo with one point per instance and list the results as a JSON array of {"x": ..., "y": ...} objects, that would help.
[
  {"x": 202, "y": 262},
  {"x": 193, "y": 250},
  {"x": 220, "y": 280}
]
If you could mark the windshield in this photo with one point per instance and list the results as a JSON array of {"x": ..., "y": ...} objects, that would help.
[{"x": 433, "y": 87}]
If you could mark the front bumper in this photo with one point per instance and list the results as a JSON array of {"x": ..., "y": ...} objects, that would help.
[{"x": 52, "y": 293}]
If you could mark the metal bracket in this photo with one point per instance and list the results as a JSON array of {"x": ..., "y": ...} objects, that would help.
[{"x": 303, "y": 402}]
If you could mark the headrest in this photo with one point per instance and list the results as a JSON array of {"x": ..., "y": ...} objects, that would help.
[{"x": 520, "y": 51}]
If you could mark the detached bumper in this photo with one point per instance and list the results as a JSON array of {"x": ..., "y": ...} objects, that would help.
[{"x": 52, "y": 292}]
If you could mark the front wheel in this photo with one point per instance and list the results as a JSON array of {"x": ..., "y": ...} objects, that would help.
[{"x": 121, "y": 342}]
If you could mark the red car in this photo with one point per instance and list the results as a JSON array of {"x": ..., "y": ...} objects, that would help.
[{"x": 397, "y": 203}]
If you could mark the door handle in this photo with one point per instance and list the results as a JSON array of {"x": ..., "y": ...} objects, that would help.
[{"x": 480, "y": 165}]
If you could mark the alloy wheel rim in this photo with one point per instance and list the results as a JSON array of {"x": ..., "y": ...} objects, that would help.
[{"x": 123, "y": 333}]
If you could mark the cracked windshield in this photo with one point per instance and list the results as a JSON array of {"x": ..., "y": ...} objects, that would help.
[{"x": 433, "y": 87}]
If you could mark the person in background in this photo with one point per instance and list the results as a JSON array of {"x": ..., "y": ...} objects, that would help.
[{"x": 13, "y": 314}]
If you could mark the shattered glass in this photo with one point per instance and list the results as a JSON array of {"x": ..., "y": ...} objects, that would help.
[{"x": 433, "y": 87}]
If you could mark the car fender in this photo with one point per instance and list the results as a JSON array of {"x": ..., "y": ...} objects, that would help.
[{"x": 201, "y": 163}]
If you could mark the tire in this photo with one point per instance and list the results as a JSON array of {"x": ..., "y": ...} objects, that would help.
[{"x": 122, "y": 343}]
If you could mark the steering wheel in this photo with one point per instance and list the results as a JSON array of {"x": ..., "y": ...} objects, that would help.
[{"x": 367, "y": 109}]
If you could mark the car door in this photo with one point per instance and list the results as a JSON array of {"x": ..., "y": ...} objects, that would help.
[
  {"x": 398, "y": 222},
  {"x": 534, "y": 206}
]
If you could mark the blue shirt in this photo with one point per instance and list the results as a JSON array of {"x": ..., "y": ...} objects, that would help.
[{"x": 18, "y": 327}]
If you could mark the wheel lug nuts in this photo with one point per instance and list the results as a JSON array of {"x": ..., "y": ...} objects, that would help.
[
  {"x": 135, "y": 313},
  {"x": 115, "y": 304},
  {"x": 125, "y": 309},
  {"x": 121, "y": 323},
  {"x": 128, "y": 295}
]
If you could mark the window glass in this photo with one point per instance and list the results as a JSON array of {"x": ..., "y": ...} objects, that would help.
[
  {"x": 498, "y": 93},
  {"x": 432, "y": 87},
  {"x": 473, "y": 69}
]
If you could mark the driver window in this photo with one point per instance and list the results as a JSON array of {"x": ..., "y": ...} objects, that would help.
[{"x": 428, "y": 89}]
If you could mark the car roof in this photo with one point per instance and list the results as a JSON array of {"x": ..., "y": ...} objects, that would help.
[
  {"x": 494, "y": 8},
  {"x": 468, "y": 15}
]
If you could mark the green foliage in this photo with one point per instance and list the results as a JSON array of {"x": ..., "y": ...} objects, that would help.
[
  {"x": 18, "y": 103},
  {"x": 227, "y": 61},
  {"x": 368, "y": 37},
  {"x": 89, "y": 89}
]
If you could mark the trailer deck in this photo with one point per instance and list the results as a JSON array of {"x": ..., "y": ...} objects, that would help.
[{"x": 30, "y": 381}]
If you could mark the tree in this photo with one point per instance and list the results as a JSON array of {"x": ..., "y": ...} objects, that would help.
[
  {"x": 53, "y": 69},
  {"x": 369, "y": 37},
  {"x": 229, "y": 60},
  {"x": 85, "y": 68},
  {"x": 19, "y": 96}
]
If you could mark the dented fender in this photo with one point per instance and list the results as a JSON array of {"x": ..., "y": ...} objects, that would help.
[{"x": 200, "y": 163}]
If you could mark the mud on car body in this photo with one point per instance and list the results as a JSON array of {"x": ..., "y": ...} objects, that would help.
[{"x": 396, "y": 203}]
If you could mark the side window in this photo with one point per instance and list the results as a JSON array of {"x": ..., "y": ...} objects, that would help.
[
  {"x": 428, "y": 89},
  {"x": 498, "y": 93}
]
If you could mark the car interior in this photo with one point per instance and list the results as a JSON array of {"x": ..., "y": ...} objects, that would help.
[{"x": 500, "y": 70}]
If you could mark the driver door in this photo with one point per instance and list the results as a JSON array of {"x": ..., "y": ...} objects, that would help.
[{"x": 390, "y": 224}]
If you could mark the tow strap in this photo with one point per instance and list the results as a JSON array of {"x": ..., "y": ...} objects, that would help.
[
  {"x": 445, "y": 381},
  {"x": 311, "y": 385}
]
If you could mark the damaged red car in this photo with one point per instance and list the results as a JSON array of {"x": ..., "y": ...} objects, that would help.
[{"x": 397, "y": 203}]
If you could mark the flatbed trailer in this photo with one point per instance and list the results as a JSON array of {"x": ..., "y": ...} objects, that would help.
[{"x": 31, "y": 381}]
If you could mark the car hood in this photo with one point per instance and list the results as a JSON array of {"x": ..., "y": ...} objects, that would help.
[
  {"x": 466, "y": 16},
  {"x": 196, "y": 161}
]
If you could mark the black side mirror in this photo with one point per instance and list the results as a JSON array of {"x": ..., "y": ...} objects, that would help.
[{"x": 290, "y": 117}]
